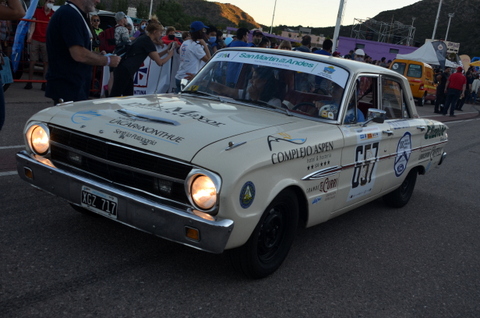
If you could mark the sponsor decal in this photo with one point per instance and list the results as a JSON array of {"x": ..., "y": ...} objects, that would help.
[
  {"x": 329, "y": 69},
  {"x": 316, "y": 200},
  {"x": 425, "y": 155},
  {"x": 312, "y": 164},
  {"x": 301, "y": 152},
  {"x": 364, "y": 137},
  {"x": 430, "y": 154},
  {"x": 404, "y": 149},
  {"x": 83, "y": 116},
  {"x": 326, "y": 185},
  {"x": 247, "y": 195},
  {"x": 285, "y": 138},
  {"x": 336, "y": 74},
  {"x": 276, "y": 59},
  {"x": 126, "y": 134},
  {"x": 223, "y": 55},
  {"x": 434, "y": 131},
  {"x": 368, "y": 134},
  {"x": 364, "y": 171},
  {"x": 178, "y": 111},
  {"x": 146, "y": 130}
]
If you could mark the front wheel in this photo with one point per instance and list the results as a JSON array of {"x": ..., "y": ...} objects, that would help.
[
  {"x": 268, "y": 246},
  {"x": 400, "y": 197}
]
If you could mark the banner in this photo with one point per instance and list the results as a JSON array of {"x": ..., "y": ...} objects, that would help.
[
  {"x": 151, "y": 78},
  {"x": 441, "y": 51},
  {"x": 20, "y": 34}
]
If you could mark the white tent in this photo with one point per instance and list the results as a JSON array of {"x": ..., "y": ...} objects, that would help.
[{"x": 431, "y": 53}]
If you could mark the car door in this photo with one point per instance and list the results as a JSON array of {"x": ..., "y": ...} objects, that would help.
[
  {"x": 406, "y": 132},
  {"x": 365, "y": 148}
]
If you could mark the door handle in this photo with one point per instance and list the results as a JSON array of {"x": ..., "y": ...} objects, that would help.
[
  {"x": 388, "y": 132},
  {"x": 422, "y": 128}
]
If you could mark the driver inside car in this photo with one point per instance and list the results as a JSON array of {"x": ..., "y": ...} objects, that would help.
[{"x": 262, "y": 86}]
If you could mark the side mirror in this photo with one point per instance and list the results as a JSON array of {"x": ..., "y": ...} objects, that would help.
[{"x": 376, "y": 115}]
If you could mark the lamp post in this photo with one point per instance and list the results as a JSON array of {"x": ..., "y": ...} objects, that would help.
[
  {"x": 450, "y": 16},
  {"x": 436, "y": 20},
  {"x": 273, "y": 16},
  {"x": 336, "y": 31}
]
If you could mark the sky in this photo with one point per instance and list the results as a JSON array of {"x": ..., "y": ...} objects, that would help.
[{"x": 314, "y": 13}]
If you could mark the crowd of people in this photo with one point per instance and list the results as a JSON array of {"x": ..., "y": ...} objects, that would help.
[
  {"x": 69, "y": 44},
  {"x": 455, "y": 89}
]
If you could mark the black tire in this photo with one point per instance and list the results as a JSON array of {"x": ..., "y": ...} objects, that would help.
[
  {"x": 421, "y": 101},
  {"x": 400, "y": 197},
  {"x": 270, "y": 242}
]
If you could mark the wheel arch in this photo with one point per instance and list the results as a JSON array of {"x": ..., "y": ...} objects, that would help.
[{"x": 302, "y": 204}]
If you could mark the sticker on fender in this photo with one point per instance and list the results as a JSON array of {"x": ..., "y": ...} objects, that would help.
[{"x": 99, "y": 202}]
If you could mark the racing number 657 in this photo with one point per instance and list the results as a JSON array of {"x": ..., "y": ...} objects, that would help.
[{"x": 365, "y": 159}]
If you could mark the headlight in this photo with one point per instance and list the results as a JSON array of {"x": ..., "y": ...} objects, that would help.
[
  {"x": 38, "y": 138},
  {"x": 203, "y": 188}
]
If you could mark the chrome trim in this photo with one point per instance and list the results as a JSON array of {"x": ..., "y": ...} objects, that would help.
[
  {"x": 232, "y": 145},
  {"x": 216, "y": 180},
  {"x": 143, "y": 212},
  {"x": 27, "y": 136},
  {"x": 322, "y": 173}
]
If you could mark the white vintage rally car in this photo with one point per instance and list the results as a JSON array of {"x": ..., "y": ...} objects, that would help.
[{"x": 259, "y": 142}]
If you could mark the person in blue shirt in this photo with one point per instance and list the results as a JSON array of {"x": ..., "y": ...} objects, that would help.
[
  {"x": 326, "y": 48},
  {"x": 242, "y": 38}
]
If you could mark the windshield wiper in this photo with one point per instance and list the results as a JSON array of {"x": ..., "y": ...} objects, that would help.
[{"x": 201, "y": 93}]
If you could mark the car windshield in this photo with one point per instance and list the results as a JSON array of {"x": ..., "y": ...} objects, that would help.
[{"x": 274, "y": 81}]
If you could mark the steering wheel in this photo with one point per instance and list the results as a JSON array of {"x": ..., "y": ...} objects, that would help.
[{"x": 306, "y": 107}]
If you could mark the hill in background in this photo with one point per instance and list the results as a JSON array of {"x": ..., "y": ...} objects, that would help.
[{"x": 464, "y": 27}]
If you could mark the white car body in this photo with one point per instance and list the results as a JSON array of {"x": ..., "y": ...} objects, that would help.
[{"x": 252, "y": 153}]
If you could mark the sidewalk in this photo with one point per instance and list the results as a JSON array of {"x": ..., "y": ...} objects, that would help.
[{"x": 469, "y": 111}]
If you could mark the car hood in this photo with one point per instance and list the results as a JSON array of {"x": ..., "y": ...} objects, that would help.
[{"x": 174, "y": 125}]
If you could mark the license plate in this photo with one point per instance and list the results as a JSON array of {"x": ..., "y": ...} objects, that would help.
[{"x": 99, "y": 202}]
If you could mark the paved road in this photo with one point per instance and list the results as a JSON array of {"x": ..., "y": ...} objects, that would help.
[{"x": 419, "y": 261}]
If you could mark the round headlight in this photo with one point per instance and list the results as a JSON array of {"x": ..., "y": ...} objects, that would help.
[
  {"x": 203, "y": 192},
  {"x": 38, "y": 139}
]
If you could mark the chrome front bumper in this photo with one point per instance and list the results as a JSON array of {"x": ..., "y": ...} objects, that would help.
[{"x": 138, "y": 211}]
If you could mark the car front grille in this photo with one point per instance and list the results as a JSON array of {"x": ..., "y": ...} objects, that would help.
[{"x": 119, "y": 164}]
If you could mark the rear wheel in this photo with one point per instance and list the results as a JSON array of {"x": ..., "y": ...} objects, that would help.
[
  {"x": 268, "y": 246},
  {"x": 400, "y": 197},
  {"x": 421, "y": 101}
]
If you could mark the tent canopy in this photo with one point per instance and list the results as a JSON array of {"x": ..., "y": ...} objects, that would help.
[{"x": 431, "y": 53}]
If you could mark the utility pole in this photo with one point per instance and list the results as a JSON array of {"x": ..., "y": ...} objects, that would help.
[
  {"x": 450, "y": 16},
  {"x": 436, "y": 20},
  {"x": 273, "y": 16}
]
